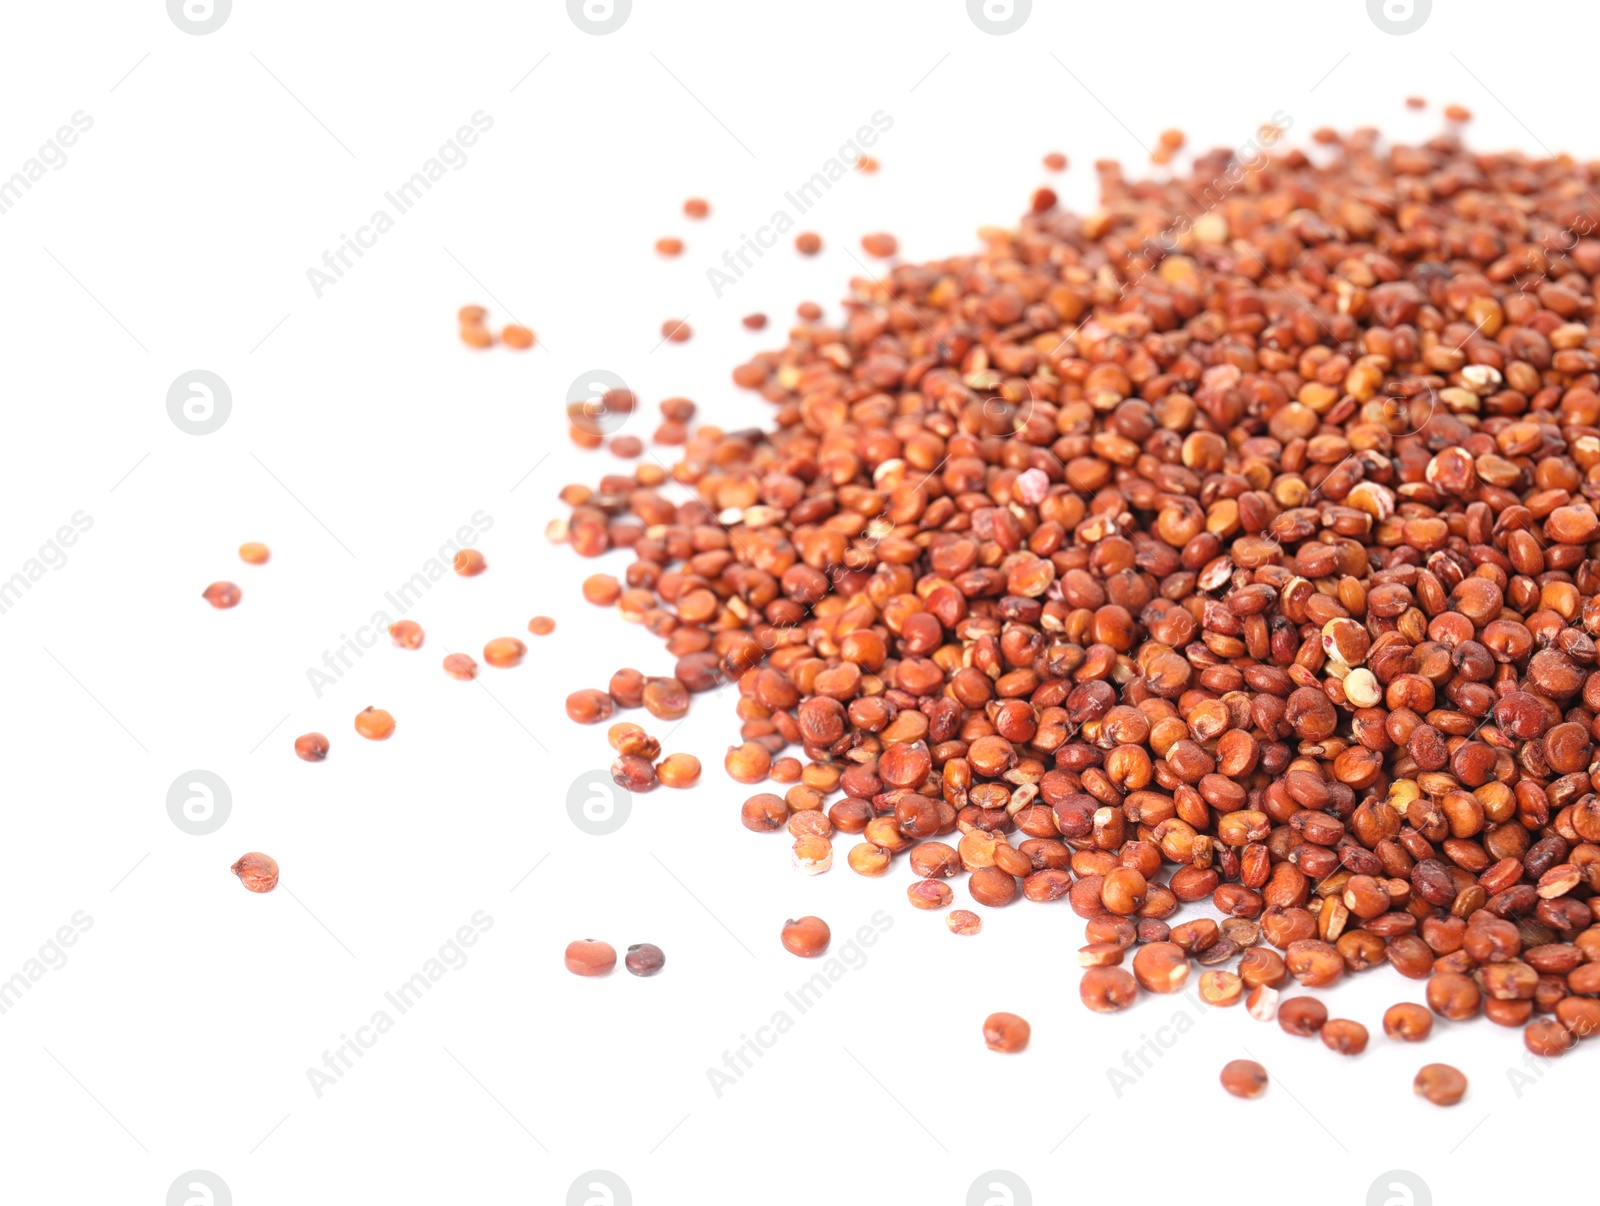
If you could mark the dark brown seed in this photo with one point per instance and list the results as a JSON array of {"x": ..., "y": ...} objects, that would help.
[{"x": 644, "y": 959}]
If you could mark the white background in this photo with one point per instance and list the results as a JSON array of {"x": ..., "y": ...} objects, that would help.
[{"x": 178, "y": 235}]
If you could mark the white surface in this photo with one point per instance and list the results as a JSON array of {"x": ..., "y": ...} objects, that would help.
[{"x": 179, "y": 1032}]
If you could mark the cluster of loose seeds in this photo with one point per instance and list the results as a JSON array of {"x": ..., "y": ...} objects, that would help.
[
  {"x": 1165, "y": 556},
  {"x": 592, "y": 957},
  {"x": 375, "y": 724},
  {"x": 223, "y": 595},
  {"x": 639, "y": 765},
  {"x": 475, "y": 332}
]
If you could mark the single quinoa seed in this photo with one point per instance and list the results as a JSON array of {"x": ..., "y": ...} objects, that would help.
[
  {"x": 879, "y": 245},
  {"x": 764, "y": 812},
  {"x": 1407, "y": 1022},
  {"x": 541, "y": 626},
  {"x": 1344, "y": 1036},
  {"x": 644, "y": 959},
  {"x": 222, "y": 595},
  {"x": 460, "y": 666},
  {"x": 516, "y": 337},
  {"x": 929, "y": 894},
  {"x": 1440, "y": 1084},
  {"x": 589, "y": 706},
  {"x": 807, "y": 937},
  {"x": 1244, "y": 1078},
  {"x": 678, "y": 770},
  {"x": 695, "y": 207},
  {"x": 807, "y": 243},
  {"x": 374, "y": 724},
  {"x": 257, "y": 872},
  {"x": 669, "y": 247},
  {"x": 504, "y": 652},
  {"x": 963, "y": 921},
  {"x": 590, "y": 957},
  {"x": 407, "y": 634},
  {"x": 254, "y": 553},
  {"x": 633, "y": 773},
  {"x": 469, "y": 563},
  {"x": 754, "y": 322},
  {"x": 311, "y": 747},
  {"x": 1006, "y": 1032}
]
